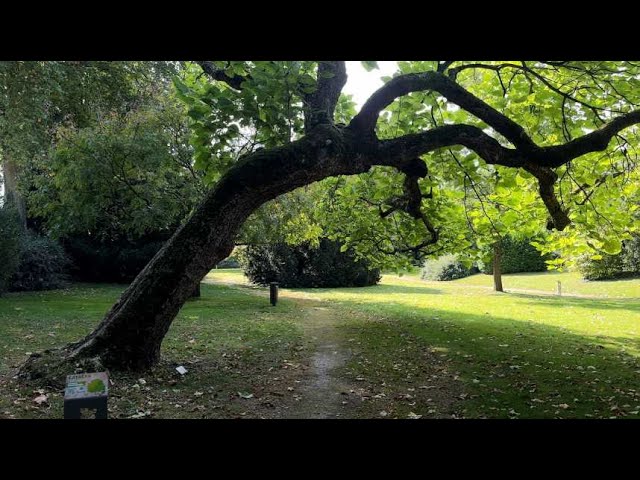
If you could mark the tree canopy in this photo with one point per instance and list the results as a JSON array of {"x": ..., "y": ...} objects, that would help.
[{"x": 469, "y": 197}]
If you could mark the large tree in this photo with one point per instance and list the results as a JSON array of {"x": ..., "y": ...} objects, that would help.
[
  {"x": 524, "y": 127},
  {"x": 37, "y": 97}
]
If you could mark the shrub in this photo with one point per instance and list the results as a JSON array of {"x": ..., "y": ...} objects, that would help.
[
  {"x": 231, "y": 261},
  {"x": 631, "y": 255},
  {"x": 117, "y": 261},
  {"x": 445, "y": 268},
  {"x": 304, "y": 266},
  {"x": 9, "y": 245},
  {"x": 625, "y": 264},
  {"x": 518, "y": 256},
  {"x": 42, "y": 265}
]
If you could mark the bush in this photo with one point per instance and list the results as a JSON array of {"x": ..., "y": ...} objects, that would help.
[
  {"x": 117, "y": 261},
  {"x": 625, "y": 264},
  {"x": 304, "y": 266},
  {"x": 9, "y": 245},
  {"x": 42, "y": 265},
  {"x": 631, "y": 255},
  {"x": 231, "y": 261},
  {"x": 518, "y": 256},
  {"x": 445, "y": 268}
]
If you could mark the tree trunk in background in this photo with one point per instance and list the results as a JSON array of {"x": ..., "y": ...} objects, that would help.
[
  {"x": 497, "y": 266},
  {"x": 11, "y": 193}
]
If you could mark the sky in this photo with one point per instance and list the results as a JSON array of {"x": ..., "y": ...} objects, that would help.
[{"x": 361, "y": 84}]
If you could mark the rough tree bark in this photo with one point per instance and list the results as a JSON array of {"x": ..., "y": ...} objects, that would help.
[
  {"x": 497, "y": 266},
  {"x": 131, "y": 333},
  {"x": 11, "y": 191}
]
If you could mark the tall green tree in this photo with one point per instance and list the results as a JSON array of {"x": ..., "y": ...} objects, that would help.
[
  {"x": 564, "y": 131},
  {"x": 37, "y": 97},
  {"x": 127, "y": 176}
]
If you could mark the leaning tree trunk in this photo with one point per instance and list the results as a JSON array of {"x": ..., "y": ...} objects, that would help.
[
  {"x": 130, "y": 335},
  {"x": 497, "y": 266}
]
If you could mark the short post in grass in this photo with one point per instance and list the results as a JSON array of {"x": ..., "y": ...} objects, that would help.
[
  {"x": 559, "y": 291},
  {"x": 273, "y": 293},
  {"x": 86, "y": 391}
]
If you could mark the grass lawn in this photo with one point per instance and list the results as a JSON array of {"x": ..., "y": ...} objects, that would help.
[
  {"x": 521, "y": 354},
  {"x": 518, "y": 355},
  {"x": 229, "y": 342}
]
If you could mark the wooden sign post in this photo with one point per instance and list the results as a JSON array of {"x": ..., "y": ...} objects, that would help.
[
  {"x": 86, "y": 391},
  {"x": 273, "y": 293}
]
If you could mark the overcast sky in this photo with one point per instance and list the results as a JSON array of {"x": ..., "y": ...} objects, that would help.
[{"x": 361, "y": 84}]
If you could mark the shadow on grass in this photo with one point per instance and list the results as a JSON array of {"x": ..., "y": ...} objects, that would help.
[
  {"x": 509, "y": 365},
  {"x": 375, "y": 289},
  {"x": 631, "y": 304}
]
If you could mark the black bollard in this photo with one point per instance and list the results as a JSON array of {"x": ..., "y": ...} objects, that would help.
[{"x": 273, "y": 293}]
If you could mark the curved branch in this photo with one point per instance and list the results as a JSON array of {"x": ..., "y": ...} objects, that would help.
[
  {"x": 220, "y": 75},
  {"x": 546, "y": 181},
  {"x": 321, "y": 104},
  {"x": 366, "y": 120},
  {"x": 595, "y": 141},
  {"x": 413, "y": 145}
]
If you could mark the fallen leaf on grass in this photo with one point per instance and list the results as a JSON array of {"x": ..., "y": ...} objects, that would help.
[
  {"x": 41, "y": 399},
  {"x": 245, "y": 395},
  {"x": 141, "y": 414},
  {"x": 414, "y": 416}
]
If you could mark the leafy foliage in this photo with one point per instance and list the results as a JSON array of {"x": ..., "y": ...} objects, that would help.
[
  {"x": 470, "y": 203},
  {"x": 444, "y": 268},
  {"x": 518, "y": 255},
  {"x": 9, "y": 244},
  {"x": 38, "y": 96},
  {"x": 327, "y": 266},
  {"x": 129, "y": 175},
  {"x": 606, "y": 267},
  {"x": 42, "y": 265}
]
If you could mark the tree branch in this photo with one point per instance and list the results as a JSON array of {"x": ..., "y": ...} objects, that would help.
[
  {"x": 408, "y": 147},
  {"x": 595, "y": 141},
  {"x": 321, "y": 104},
  {"x": 220, "y": 75},
  {"x": 366, "y": 120}
]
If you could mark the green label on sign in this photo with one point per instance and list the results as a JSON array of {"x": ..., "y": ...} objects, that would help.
[{"x": 87, "y": 385}]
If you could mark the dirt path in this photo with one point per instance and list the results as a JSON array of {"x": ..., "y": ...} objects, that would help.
[
  {"x": 322, "y": 390},
  {"x": 322, "y": 393}
]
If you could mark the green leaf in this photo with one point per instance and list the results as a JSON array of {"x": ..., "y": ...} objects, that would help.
[
  {"x": 612, "y": 246},
  {"x": 368, "y": 66}
]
